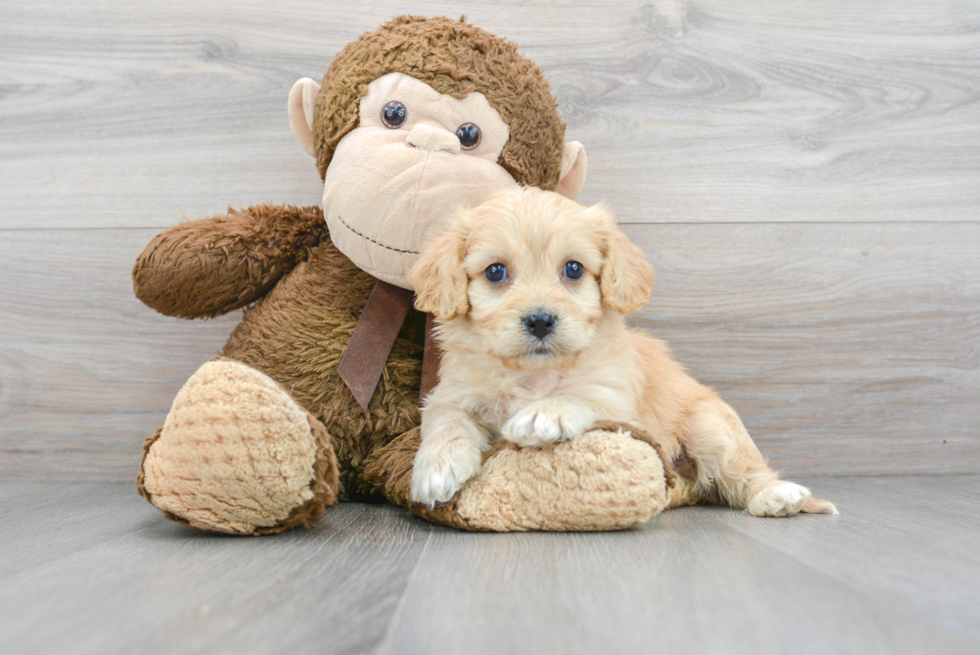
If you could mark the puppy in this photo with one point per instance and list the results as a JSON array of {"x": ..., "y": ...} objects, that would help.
[{"x": 530, "y": 291}]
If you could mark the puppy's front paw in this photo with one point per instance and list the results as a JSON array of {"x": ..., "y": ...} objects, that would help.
[
  {"x": 441, "y": 467},
  {"x": 540, "y": 423},
  {"x": 780, "y": 499}
]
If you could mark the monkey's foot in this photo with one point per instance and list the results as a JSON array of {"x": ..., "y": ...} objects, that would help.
[
  {"x": 237, "y": 454},
  {"x": 603, "y": 480}
]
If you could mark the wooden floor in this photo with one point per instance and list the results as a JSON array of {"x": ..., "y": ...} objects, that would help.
[
  {"x": 805, "y": 177},
  {"x": 91, "y": 568}
]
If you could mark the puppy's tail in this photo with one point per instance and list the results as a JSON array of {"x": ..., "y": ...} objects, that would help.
[{"x": 815, "y": 506}]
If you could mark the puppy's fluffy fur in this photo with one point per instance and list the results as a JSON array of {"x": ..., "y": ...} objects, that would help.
[{"x": 499, "y": 379}]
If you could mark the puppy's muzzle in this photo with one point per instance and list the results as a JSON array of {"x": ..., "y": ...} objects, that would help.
[{"x": 540, "y": 324}]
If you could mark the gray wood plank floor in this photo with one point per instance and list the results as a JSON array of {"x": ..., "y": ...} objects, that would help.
[
  {"x": 805, "y": 176},
  {"x": 91, "y": 568}
]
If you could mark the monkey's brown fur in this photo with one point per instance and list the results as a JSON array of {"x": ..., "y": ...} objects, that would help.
[
  {"x": 296, "y": 334},
  {"x": 203, "y": 269},
  {"x": 454, "y": 58},
  {"x": 303, "y": 297},
  {"x": 298, "y": 331}
]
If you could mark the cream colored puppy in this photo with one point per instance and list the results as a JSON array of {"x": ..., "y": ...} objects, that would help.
[{"x": 531, "y": 290}]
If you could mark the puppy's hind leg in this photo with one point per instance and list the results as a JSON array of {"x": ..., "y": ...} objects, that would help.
[{"x": 730, "y": 465}]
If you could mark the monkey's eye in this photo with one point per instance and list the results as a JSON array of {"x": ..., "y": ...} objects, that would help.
[
  {"x": 574, "y": 271},
  {"x": 393, "y": 114},
  {"x": 469, "y": 135},
  {"x": 495, "y": 273}
]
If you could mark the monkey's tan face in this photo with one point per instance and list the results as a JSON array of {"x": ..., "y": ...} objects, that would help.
[{"x": 415, "y": 158}]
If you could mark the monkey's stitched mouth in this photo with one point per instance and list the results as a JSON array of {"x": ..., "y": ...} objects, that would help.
[{"x": 375, "y": 241}]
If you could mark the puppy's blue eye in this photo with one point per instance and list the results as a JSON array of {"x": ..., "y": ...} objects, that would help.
[
  {"x": 574, "y": 270},
  {"x": 496, "y": 273}
]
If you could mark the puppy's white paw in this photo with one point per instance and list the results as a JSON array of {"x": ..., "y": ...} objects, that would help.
[
  {"x": 541, "y": 423},
  {"x": 441, "y": 467},
  {"x": 780, "y": 499}
]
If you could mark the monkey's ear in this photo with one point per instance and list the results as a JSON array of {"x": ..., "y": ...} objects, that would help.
[
  {"x": 302, "y": 99},
  {"x": 573, "y": 163}
]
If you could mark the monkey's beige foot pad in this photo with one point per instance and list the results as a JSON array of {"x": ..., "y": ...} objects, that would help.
[
  {"x": 236, "y": 454},
  {"x": 602, "y": 480}
]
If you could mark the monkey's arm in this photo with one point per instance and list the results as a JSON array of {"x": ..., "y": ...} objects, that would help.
[{"x": 204, "y": 268}]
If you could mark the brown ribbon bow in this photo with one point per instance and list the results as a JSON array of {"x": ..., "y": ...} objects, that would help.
[{"x": 373, "y": 338}]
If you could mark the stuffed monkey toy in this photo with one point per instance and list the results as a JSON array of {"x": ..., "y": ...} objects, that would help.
[{"x": 315, "y": 397}]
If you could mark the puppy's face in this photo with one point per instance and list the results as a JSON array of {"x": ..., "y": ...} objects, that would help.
[{"x": 532, "y": 274}]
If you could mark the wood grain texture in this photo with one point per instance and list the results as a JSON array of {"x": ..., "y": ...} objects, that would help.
[
  {"x": 130, "y": 115},
  {"x": 900, "y": 536},
  {"x": 114, "y": 574},
  {"x": 845, "y": 348},
  {"x": 685, "y": 584},
  {"x": 806, "y": 179},
  {"x": 805, "y": 176},
  {"x": 680, "y": 585},
  {"x": 91, "y": 568}
]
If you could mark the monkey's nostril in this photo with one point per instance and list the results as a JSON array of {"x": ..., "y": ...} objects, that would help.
[
  {"x": 428, "y": 137},
  {"x": 540, "y": 324}
]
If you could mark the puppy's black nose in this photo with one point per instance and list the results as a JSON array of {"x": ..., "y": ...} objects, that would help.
[{"x": 540, "y": 324}]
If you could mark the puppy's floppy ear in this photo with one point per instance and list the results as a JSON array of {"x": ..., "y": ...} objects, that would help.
[
  {"x": 438, "y": 277},
  {"x": 626, "y": 277}
]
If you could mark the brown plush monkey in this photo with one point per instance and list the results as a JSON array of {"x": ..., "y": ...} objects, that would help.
[{"x": 412, "y": 121}]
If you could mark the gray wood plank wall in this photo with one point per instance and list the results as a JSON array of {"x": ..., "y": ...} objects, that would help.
[{"x": 805, "y": 177}]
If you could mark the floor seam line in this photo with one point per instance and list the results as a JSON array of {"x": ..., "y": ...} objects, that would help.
[
  {"x": 396, "y": 615},
  {"x": 858, "y": 590}
]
